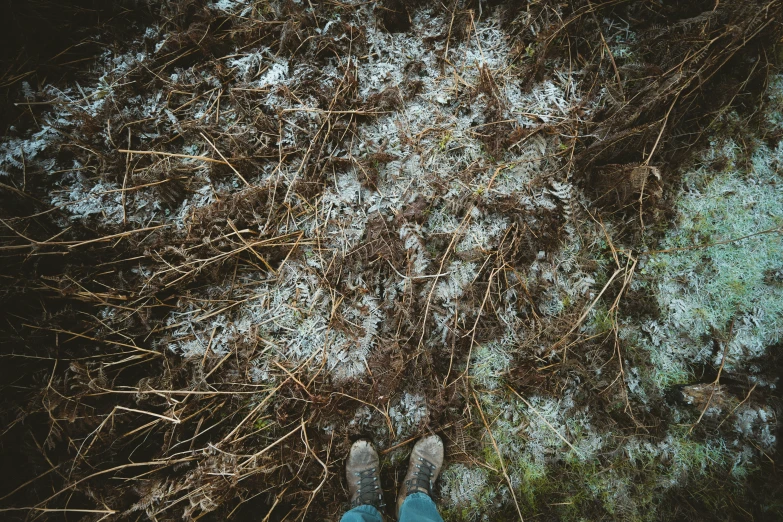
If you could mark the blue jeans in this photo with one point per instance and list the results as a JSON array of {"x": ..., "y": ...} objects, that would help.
[{"x": 418, "y": 507}]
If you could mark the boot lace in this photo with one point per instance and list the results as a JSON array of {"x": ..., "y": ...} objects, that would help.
[
  {"x": 368, "y": 490},
  {"x": 422, "y": 478}
]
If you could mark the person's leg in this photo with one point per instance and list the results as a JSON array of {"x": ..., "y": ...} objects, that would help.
[
  {"x": 364, "y": 485},
  {"x": 419, "y": 507},
  {"x": 414, "y": 501},
  {"x": 365, "y": 513}
]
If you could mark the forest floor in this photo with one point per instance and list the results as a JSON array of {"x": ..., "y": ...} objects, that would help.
[{"x": 238, "y": 235}]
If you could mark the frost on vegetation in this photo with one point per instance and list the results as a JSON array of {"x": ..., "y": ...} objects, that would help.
[
  {"x": 546, "y": 431},
  {"x": 362, "y": 418},
  {"x": 673, "y": 462},
  {"x": 725, "y": 288},
  {"x": 408, "y": 414},
  {"x": 411, "y": 234},
  {"x": 429, "y": 167},
  {"x": 529, "y": 161},
  {"x": 677, "y": 459},
  {"x": 341, "y": 210},
  {"x": 620, "y": 39},
  {"x": 448, "y": 137},
  {"x": 233, "y": 7},
  {"x": 22, "y": 153},
  {"x": 104, "y": 199},
  {"x": 489, "y": 362},
  {"x": 430, "y": 138},
  {"x": 81, "y": 196},
  {"x": 774, "y": 109},
  {"x": 197, "y": 199},
  {"x": 550, "y": 421},
  {"x": 261, "y": 68},
  {"x": 288, "y": 322},
  {"x": 191, "y": 343},
  {"x": 532, "y": 442},
  {"x": 482, "y": 236},
  {"x": 565, "y": 282},
  {"x": 758, "y": 424},
  {"x": 461, "y": 275},
  {"x": 633, "y": 381},
  {"x": 548, "y": 101},
  {"x": 466, "y": 492}
]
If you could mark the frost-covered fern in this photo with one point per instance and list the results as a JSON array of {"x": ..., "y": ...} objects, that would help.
[
  {"x": 489, "y": 362},
  {"x": 408, "y": 413},
  {"x": 724, "y": 287}
]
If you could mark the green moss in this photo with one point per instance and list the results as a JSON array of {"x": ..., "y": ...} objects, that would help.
[
  {"x": 600, "y": 320},
  {"x": 444, "y": 141}
]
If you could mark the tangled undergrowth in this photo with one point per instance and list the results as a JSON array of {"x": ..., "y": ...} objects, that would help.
[{"x": 239, "y": 235}]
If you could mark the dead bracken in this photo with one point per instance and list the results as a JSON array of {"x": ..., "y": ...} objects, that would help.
[{"x": 241, "y": 234}]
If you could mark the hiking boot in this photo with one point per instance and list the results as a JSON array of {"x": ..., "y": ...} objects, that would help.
[
  {"x": 361, "y": 470},
  {"x": 425, "y": 465}
]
